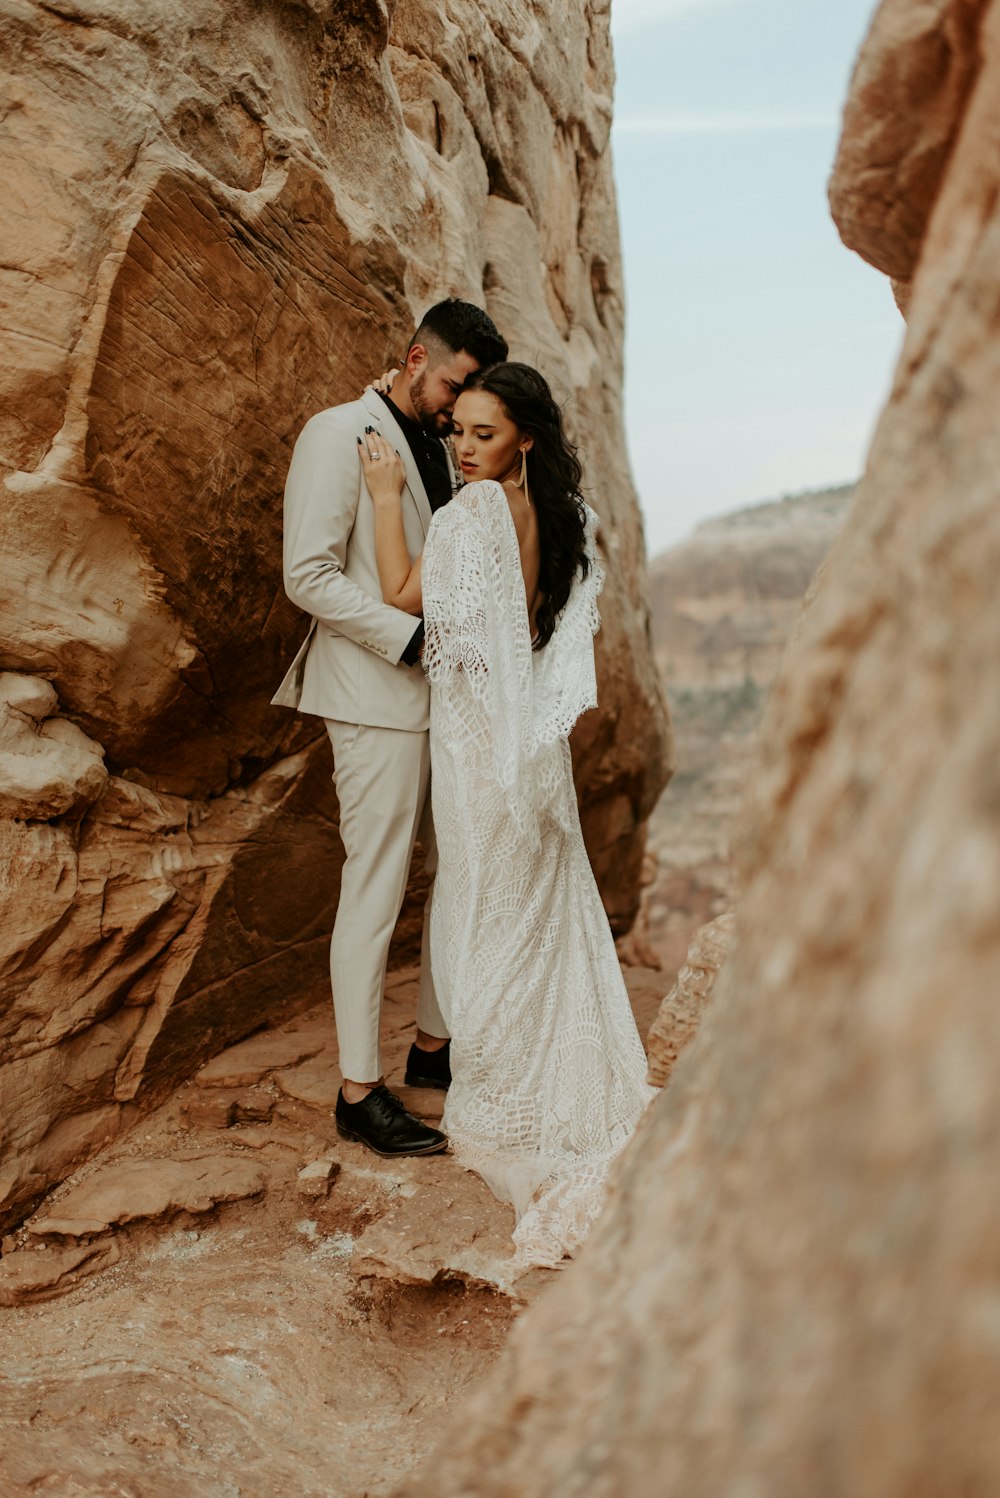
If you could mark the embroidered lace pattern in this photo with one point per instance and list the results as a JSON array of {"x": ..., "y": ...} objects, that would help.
[{"x": 548, "y": 1068}]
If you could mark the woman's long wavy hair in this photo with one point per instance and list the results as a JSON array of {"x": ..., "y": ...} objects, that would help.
[{"x": 554, "y": 475}]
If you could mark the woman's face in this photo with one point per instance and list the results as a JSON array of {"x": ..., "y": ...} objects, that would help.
[{"x": 487, "y": 442}]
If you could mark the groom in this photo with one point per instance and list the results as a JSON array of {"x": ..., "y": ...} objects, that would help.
[{"x": 359, "y": 670}]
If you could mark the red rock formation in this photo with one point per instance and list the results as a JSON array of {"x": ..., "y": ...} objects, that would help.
[
  {"x": 794, "y": 1287},
  {"x": 908, "y": 96},
  {"x": 219, "y": 219}
]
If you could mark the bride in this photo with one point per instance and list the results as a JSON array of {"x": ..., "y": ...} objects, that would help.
[{"x": 548, "y": 1071}]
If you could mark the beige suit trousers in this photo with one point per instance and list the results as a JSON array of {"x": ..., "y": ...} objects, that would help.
[{"x": 382, "y": 776}]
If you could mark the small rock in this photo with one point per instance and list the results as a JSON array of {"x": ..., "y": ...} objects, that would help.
[
  {"x": 253, "y": 1107},
  {"x": 27, "y": 1275},
  {"x": 316, "y": 1178},
  {"x": 208, "y": 1111}
]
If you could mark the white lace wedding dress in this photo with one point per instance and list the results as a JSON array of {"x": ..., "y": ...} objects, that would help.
[{"x": 548, "y": 1068}]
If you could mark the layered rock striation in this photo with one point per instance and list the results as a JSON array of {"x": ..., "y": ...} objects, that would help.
[
  {"x": 218, "y": 220},
  {"x": 794, "y": 1289}
]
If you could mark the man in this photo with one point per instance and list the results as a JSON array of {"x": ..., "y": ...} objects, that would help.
[{"x": 359, "y": 670}]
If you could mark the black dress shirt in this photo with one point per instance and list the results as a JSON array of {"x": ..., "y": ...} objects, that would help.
[
  {"x": 432, "y": 465},
  {"x": 428, "y": 454}
]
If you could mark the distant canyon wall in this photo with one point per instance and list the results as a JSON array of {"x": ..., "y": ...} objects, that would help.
[
  {"x": 724, "y": 601},
  {"x": 218, "y": 219},
  {"x": 723, "y": 604},
  {"x": 794, "y": 1287}
]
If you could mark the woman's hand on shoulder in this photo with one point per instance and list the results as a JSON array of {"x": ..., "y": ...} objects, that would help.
[
  {"x": 383, "y": 468},
  {"x": 384, "y": 383}
]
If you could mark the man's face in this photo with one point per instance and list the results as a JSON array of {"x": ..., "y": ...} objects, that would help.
[{"x": 436, "y": 387}]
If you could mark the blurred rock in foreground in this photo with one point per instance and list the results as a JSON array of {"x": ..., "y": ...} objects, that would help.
[{"x": 794, "y": 1289}]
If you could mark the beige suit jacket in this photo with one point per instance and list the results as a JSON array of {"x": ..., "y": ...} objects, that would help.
[{"x": 348, "y": 667}]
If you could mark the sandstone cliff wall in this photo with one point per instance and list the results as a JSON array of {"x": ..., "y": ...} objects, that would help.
[
  {"x": 218, "y": 219},
  {"x": 794, "y": 1288}
]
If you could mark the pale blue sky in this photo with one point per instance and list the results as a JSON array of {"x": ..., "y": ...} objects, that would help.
[{"x": 758, "y": 349}]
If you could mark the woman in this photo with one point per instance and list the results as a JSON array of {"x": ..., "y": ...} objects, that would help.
[{"x": 548, "y": 1069}]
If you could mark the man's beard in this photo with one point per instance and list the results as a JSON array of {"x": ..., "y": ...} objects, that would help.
[{"x": 436, "y": 423}]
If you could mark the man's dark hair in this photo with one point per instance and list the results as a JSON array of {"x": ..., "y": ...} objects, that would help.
[{"x": 460, "y": 327}]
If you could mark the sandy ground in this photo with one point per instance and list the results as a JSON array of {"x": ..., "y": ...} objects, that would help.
[{"x": 253, "y": 1334}]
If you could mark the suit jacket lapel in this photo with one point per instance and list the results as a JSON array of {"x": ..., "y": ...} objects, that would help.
[{"x": 383, "y": 419}]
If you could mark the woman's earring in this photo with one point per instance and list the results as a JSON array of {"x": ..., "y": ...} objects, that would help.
[{"x": 522, "y": 482}]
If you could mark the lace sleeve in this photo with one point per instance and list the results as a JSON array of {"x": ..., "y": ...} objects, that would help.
[
  {"x": 456, "y": 613},
  {"x": 477, "y": 654}
]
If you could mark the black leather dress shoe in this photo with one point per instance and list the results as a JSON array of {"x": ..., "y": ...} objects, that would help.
[
  {"x": 429, "y": 1068},
  {"x": 382, "y": 1123}
]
